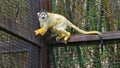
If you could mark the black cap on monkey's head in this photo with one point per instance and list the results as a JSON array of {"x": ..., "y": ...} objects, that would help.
[{"x": 45, "y": 11}]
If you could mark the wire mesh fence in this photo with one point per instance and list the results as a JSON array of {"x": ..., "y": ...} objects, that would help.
[
  {"x": 16, "y": 53},
  {"x": 101, "y": 15},
  {"x": 18, "y": 18},
  {"x": 21, "y": 11},
  {"x": 86, "y": 56}
]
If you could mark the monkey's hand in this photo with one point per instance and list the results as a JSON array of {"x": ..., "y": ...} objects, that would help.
[{"x": 40, "y": 31}]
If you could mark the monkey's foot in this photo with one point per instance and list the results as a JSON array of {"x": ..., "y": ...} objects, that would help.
[
  {"x": 58, "y": 38},
  {"x": 66, "y": 37}
]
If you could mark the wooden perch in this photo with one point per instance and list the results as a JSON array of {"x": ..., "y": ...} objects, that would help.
[
  {"x": 83, "y": 38},
  {"x": 86, "y": 39}
]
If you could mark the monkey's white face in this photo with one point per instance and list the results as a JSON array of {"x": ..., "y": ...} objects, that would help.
[{"x": 43, "y": 16}]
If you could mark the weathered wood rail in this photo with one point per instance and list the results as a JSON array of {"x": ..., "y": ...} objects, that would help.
[
  {"x": 106, "y": 36},
  {"x": 90, "y": 39}
]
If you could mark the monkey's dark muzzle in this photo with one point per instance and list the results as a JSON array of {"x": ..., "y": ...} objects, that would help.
[{"x": 43, "y": 17}]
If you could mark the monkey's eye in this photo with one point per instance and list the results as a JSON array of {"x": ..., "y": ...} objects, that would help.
[{"x": 43, "y": 14}]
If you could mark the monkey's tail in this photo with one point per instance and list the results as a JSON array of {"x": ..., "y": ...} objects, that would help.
[
  {"x": 88, "y": 32},
  {"x": 82, "y": 31}
]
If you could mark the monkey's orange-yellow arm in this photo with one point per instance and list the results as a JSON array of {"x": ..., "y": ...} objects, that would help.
[{"x": 41, "y": 31}]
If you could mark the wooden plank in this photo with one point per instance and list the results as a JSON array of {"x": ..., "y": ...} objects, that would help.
[
  {"x": 81, "y": 38},
  {"x": 18, "y": 30},
  {"x": 11, "y": 47}
]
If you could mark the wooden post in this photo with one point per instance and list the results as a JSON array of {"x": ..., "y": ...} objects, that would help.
[{"x": 44, "y": 52}]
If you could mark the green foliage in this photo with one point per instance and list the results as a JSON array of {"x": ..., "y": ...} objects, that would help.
[{"x": 88, "y": 15}]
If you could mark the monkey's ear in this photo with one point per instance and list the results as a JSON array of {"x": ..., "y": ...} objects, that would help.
[{"x": 38, "y": 13}]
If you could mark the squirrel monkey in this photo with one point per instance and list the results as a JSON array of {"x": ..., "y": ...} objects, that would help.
[{"x": 59, "y": 24}]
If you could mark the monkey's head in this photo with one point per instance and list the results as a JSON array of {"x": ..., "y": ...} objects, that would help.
[{"x": 42, "y": 15}]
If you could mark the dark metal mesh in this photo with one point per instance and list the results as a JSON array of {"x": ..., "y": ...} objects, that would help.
[
  {"x": 86, "y": 56},
  {"x": 16, "y": 52},
  {"x": 21, "y": 11},
  {"x": 101, "y": 15}
]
